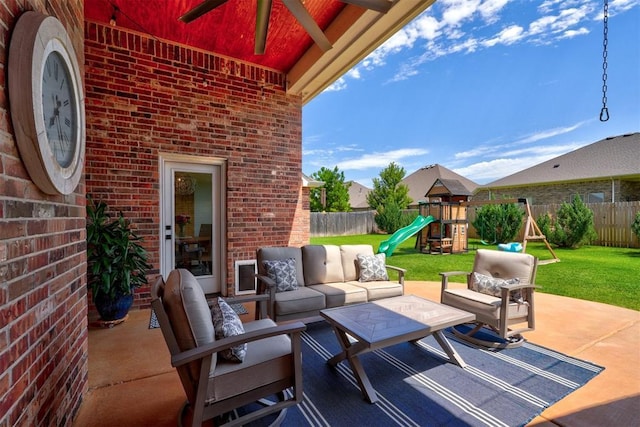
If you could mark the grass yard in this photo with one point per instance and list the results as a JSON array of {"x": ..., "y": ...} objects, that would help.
[{"x": 594, "y": 273}]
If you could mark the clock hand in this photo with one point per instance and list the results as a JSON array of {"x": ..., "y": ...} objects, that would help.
[{"x": 56, "y": 112}]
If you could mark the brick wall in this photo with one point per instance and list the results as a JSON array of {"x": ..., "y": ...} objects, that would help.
[
  {"x": 146, "y": 96},
  {"x": 565, "y": 192},
  {"x": 43, "y": 306}
]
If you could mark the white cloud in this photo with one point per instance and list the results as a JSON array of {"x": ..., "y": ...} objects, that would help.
[
  {"x": 467, "y": 26},
  {"x": 338, "y": 85},
  {"x": 514, "y": 161},
  {"x": 379, "y": 160}
]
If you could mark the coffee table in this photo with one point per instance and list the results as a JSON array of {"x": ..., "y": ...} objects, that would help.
[{"x": 387, "y": 322}]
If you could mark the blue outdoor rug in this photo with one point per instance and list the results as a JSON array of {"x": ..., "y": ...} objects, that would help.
[{"x": 418, "y": 387}]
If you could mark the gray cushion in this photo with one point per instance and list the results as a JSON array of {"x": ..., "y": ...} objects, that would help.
[
  {"x": 301, "y": 300},
  {"x": 188, "y": 311},
  {"x": 372, "y": 267},
  {"x": 281, "y": 252},
  {"x": 504, "y": 265},
  {"x": 321, "y": 264},
  {"x": 227, "y": 323},
  {"x": 380, "y": 289},
  {"x": 348, "y": 255},
  {"x": 283, "y": 272},
  {"x": 338, "y": 294}
]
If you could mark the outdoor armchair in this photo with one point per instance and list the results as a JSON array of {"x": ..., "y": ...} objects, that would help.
[
  {"x": 215, "y": 386},
  {"x": 500, "y": 292}
]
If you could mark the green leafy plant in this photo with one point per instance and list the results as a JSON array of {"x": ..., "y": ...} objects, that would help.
[
  {"x": 499, "y": 223},
  {"x": 116, "y": 262},
  {"x": 335, "y": 190},
  {"x": 390, "y": 217},
  {"x": 572, "y": 227},
  {"x": 635, "y": 226}
]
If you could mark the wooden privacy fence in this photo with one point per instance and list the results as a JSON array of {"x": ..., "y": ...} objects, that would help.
[
  {"x": 612, "y": 222},
  {"x": 342, "y": 223}
]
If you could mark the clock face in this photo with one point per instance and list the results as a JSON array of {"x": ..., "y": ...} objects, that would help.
[
  {"x": 59, "y": 109},
  {"x": 47, "y": 102}
]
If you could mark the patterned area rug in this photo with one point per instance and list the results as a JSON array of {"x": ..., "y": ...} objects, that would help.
[
  {"x": 153, "y": 321},
  {"x": 418, "y": 387}
]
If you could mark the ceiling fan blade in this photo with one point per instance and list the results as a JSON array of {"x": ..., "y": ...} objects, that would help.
[
  {"x": 263, "y": 13},
  {"x": 382, "y": 6},
  {"x": 298, "y": 10},
  {"x": 200, "y": 10}
]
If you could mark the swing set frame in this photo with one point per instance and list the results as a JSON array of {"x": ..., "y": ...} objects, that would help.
[{"x": 531, "y": 230}]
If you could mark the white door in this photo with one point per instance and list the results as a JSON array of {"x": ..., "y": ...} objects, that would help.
[{"x": 192, "y": 219}]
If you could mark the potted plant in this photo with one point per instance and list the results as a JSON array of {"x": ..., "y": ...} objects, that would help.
[{"x": 116, "y": 262}]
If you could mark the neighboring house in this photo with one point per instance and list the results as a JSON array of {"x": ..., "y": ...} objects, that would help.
[
  {"x": 605, "y": 171},
  {"x": 420, "y": 181},
  {"x": 358, "y": 196}
]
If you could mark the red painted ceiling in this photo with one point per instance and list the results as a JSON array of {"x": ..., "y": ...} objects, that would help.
[{"x": 228, "y": 30}]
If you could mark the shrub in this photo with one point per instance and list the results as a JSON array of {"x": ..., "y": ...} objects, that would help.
[
  {"x": 391, "y": 218},
  {"x": 573, "y": 225},
  {"x": 499, "y": 223},
  {"x": 635, "y": 226}
]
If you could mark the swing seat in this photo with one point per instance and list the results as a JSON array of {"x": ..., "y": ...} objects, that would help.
[{"x": 510, "y": 247}]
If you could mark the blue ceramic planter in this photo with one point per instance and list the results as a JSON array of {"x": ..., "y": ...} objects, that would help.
[{"x": 113, "y": 309}]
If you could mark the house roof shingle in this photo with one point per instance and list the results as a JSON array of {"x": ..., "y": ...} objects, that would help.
[
  {"x": 612, "y": 157},
  {"x": 420, "y": 181}
]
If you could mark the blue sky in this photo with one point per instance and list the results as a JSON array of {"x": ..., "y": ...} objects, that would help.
[{"x": 485, "y": 88}]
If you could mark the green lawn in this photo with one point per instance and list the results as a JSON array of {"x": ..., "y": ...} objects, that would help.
[{"x": 594, "y": 273}]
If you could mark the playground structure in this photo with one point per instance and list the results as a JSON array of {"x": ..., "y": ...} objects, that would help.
[
  {"x": 442, "y": 224},
  {"x": 388, "y": 246},
  {"x": 447, "y": 234}
]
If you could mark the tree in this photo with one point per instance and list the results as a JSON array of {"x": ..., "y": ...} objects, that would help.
[
  {"x": 389, "y": 197},
  {"x": 572, "y": 227},
  {"x": 388, "y": 188},
  {"x": 635, "y": 226},
  {"x": 335, "y": 189},
  {"x": 499, "y": 223}
]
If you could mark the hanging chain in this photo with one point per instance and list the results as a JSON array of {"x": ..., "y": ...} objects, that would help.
[{"x": 604, "y": 113}]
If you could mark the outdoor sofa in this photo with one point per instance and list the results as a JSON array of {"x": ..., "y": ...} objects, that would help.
[{"x": 303, "y": 280}]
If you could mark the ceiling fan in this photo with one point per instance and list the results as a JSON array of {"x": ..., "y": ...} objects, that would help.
[{"x": 297, "y": 9}]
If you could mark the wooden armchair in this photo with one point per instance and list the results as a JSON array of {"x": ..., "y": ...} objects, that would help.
[
  {"x": 500, "y": 292},
  {"x": 216, "y": 387}
]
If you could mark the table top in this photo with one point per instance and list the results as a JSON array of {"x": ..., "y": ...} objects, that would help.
[{"x": 389, "y": 318}]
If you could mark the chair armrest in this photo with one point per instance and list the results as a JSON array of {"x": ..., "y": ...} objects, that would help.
[
  {"x": 267, "y": 286},
  {"x": 513, "y": 287},
  {"x": 400, "y": 271},
  {"x": 268, "y": 281},
  {"x": 225, "y": 343},
  {"x": 445, "y": 276}
]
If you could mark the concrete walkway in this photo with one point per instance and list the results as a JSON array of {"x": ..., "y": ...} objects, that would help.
[{"x": 131, "y": 382}]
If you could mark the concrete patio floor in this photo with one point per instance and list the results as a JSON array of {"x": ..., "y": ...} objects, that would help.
[{"x": 132, "y": 383}]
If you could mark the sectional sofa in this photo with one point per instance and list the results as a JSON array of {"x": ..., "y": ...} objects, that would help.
[{"x": 302, "y": 281}]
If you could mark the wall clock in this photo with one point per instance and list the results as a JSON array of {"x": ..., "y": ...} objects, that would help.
[{"x": 47, "y": 102}]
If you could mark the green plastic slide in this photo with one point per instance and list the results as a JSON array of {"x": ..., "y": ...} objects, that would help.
[{"x": 388, "y": 246}]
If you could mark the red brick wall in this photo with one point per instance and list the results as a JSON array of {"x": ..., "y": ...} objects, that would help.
[
  {"x": 43, "y": 305},
  {"x": 146, "y": 96}
]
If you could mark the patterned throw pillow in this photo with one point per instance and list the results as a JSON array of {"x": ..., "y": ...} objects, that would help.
[
  {"x": 226, "y": 323},
  {"x": 491, "y": 285},
  {"x": 372, "y": 267},
  {"x": 283, "y": 272}
]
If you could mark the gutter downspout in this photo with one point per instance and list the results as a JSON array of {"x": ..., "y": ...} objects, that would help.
[{"x": 613, "y": 190}]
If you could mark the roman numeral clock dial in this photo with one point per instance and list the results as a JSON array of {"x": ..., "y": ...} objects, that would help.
[{"x": 49, "y": 124}]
